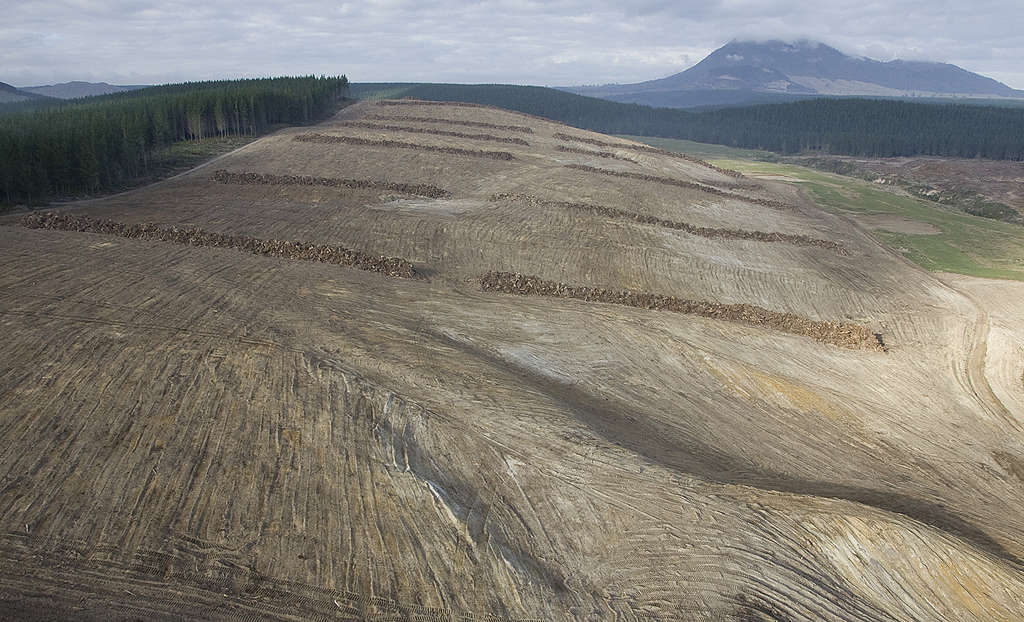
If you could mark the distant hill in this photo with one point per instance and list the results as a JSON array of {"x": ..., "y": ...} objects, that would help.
[
  {"x": 10, "y": 94},
  {"x": 746, "y": 72},
  {"x": 75, "y": 89}
]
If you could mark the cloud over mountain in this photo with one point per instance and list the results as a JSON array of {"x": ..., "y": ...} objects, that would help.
[{"x": 560, "y": 42}]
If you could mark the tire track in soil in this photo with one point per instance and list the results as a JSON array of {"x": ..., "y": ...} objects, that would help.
[
  {"x": 691, "y": 456},
  {"x": 974, "y": 379},
  {"x": 705, "y": 232},
  {"x": 671, "y": 181},
  {"x": 652, "y": 150}
]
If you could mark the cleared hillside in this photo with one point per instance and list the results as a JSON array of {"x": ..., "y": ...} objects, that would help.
[{"x": 633, "y": 387}]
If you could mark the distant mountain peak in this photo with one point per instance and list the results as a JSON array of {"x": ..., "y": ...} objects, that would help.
[{"x": 805, "y": 68}]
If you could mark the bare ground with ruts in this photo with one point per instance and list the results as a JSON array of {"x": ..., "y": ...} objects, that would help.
[{"x": 194, "y": 432}]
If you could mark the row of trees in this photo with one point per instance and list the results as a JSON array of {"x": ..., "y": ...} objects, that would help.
[
  {"x": 844, "y": 126},
  {"x": 867, "y": 127},
  {"x": 101, "y": 143}
]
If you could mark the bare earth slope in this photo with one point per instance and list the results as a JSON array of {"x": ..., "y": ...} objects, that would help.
[{"x": 212, "y": 430}]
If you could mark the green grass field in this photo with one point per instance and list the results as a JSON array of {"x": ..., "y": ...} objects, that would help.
[{"x": 965, "y": 244}]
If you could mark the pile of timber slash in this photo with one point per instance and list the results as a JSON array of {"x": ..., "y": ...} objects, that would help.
[
  {"x": 840, "y": 334},
  {"x": 194, "y": 236},
  {"x": 409, "y": 101},
  {"x": 704, "y": 232},
  {"x": 267, "y": 179},
  {"x": 649, "y": 149},
  {"x": 511, "y": 140},
  {"x": 352, "y": 140},
  {"x": 599, "y": 154},
  {"x": 671, "y": 181},
  {"x": 493, "y": 126}
]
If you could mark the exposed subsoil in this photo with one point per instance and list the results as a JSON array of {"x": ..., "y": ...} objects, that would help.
[
  {"x": 840, "y": 334},
  {"x": 187, "y": 433},
  {"x": 267, "y": 179},
  {"x": 352, "y": 140},
  {"x": 512, "y": 140},
  {"x": 193, "y": 236},
  {"x": 670, "y": 181},
  {"x": 705, "y": 232},
  {"x": 494, "y": 126}
]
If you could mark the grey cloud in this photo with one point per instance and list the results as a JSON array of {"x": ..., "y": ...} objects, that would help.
[{"x": 519, "y": 41}]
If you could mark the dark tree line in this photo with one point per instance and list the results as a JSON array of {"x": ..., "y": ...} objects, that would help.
[
  {"x": 867, "y": 127},
  {"x": 99, "y": 143},
  {"x": 843, "y": 126}
]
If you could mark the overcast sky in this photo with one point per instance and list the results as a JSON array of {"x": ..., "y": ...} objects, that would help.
[{"x": 557, "y": 42}]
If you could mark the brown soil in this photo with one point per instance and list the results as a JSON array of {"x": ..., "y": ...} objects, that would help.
[
  {"x": 193, "y": 236},
  {"x": 670, "y": 181},
  {"x": 650, "y": 149},
  {"x": 200, "y": 433},
  {"x": 597, "y": 154},
  {"x": 419, "y": 130},
  {"x": 267, "y": 179},
  {"x": 836, "y": 333},
  {"x": 494, "y": 126},
  {"x": 705, "y": 232},
  {"x": 352, "y": 140}
]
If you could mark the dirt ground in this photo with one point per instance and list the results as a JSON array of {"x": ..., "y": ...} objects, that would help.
[{"x": 193, "y": 431}]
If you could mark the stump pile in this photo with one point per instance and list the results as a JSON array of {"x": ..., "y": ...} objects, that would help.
[
  {"x": 840, "y": 334},
  {"x": 194, "y": 236},
  {"x": 398, "y": 144},
  {"x": 267, "y": 179},
  {"x": 511, "y": 140}
]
